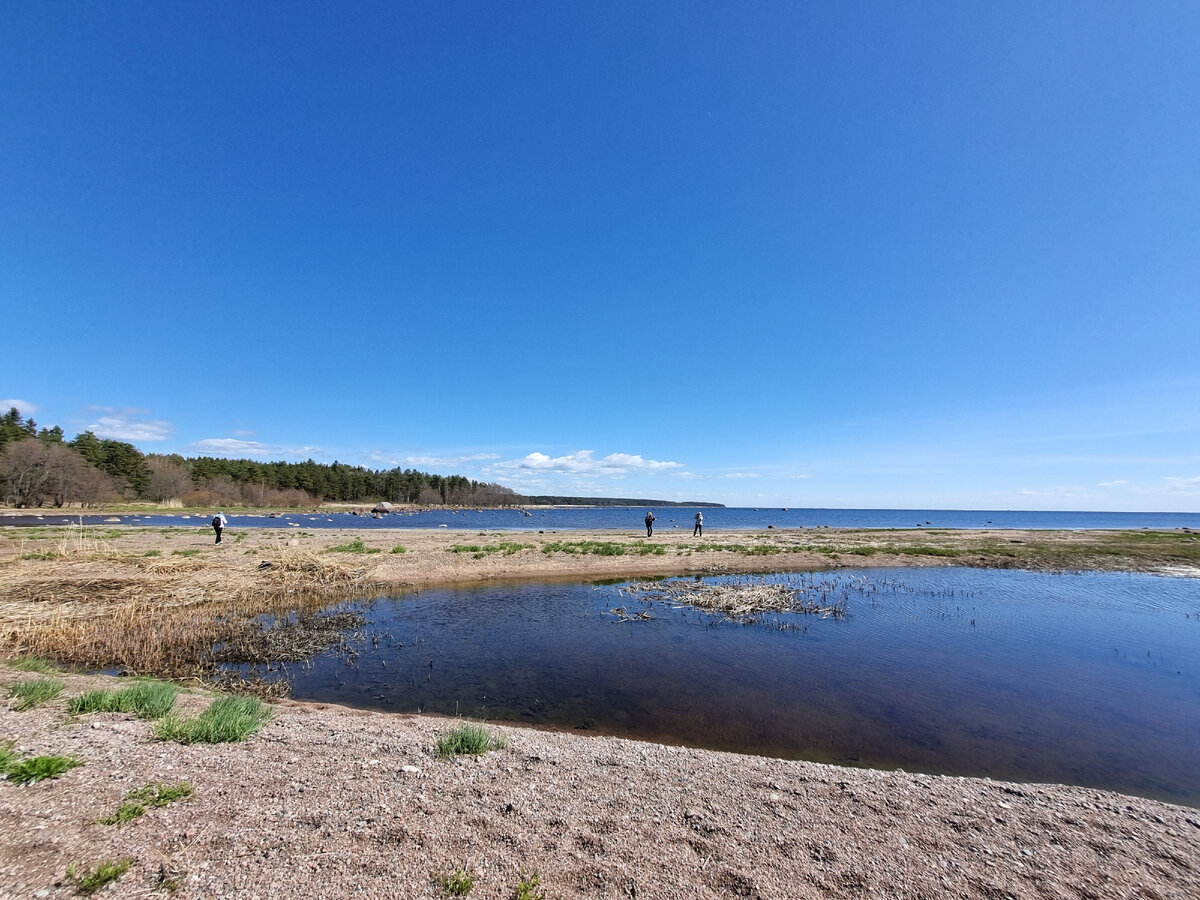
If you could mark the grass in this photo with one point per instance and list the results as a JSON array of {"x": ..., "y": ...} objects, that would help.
[
  {"x": 146, "y": 699},
  {"x": 39, "y": 768},
  {"x": 89, "y": 879},
  {"x": 355, "y": 546},
  {"x": 152, "y": 795},
  {"x": 227, "y": 720},
  {"x": 152, "y": 553},
  {"x": 454, "y": 884},
  {"x": 469, "y": 739},
  {"x": 32, "y": 664},
  {"x": 28, "y": 694},
  {"x": 528, "y": 888},
  {"x": 192, "y": 552},
  {"x": 399, "y": 549},
  {"x": 929, "y": 551},
  {"x": 478, "y": 551},
  {"x": 603, "y": 548},
  {"x": 8, "y": 757}
]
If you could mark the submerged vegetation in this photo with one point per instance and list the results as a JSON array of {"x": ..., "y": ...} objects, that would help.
[{"x": 746, "y": 597}]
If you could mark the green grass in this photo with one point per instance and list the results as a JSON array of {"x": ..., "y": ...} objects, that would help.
[
  {"x": 527, "y": 888},
  {"x": 469, "y": 739},
  {"x": 454, "y": 884},
  {"x": 192, "y": 552},
  {"x": 602, "y": 548},
  {"x": 355, "y": 546},
  {"x": 32, "y": 664},
  {"x": 153, "y": 795},
  {"x": 226, "y": 720},
  {"x": 39, "y": 768},
  {"x": 8, "y": 757},
  {"x": 152, "y": 553},
  {"x": 88, "y": 880},
  {"x": 28, "y": 694},
  {"x": 146, "y": 699},
  {"x": 478, "y": 551},
  {"x": 399, "y": 549},
  {"x": 928, "y": 551}
]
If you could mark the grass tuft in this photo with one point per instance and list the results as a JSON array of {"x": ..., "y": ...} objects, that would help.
[
  {"x": 28, "y": 694},
  {"x": 355, "y": 546},
  {"x": 146, "y": 700},
  {"x": 153, "y": 795},
  {"x": 39, "y": 768},
  {"x": 89, "y": 879},
  {"x": 32, "y": 664},
  {"x": 226, "y": 720},
  {"x": 528, "y": 888},
  {"x": 454, "y": 884},
  {"x": 399, "y": 549},
  {"x": 469, "y": 739}
]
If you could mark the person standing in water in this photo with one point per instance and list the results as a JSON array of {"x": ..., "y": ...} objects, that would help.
[
  {"x": 649, "y": 524},
  {"x": 699, "y": 529},
  {"x": 218, "y": 523}
]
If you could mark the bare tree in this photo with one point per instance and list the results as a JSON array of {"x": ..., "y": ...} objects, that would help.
[
  {"x": 35, "y": 472},
  {"x": 169, "y": 479}
]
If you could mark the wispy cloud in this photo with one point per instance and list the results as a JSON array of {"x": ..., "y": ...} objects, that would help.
[
  {"x": 237, "y": 448},
  {"x": 128, "y": 425},
  {"x": 442, "y": 462},
  {"x": 1117, "y": 483},
  {"x": 583, "y": 462},
  {"x": 23, "y": 406},
  {"x": 231, "y": 447},
  {"x": 1182, "y": 484},
  {"x": 741, "y": 475}
]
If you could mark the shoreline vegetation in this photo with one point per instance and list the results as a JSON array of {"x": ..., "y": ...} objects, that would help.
[
  {"x": 332, "y": 801},
  {"x": 169, "y": 602}
]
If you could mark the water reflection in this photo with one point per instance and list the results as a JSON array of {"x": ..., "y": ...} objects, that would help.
[{"x": 1088, "y": 679}]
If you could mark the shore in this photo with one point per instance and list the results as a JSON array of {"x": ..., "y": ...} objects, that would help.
[{"x": 329, "y": 802}]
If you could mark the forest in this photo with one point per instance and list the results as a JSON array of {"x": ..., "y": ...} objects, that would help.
[{"x": 39, "y": 467}]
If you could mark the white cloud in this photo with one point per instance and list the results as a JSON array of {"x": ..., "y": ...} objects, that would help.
[
  {"x": 583, "y": 463},
  {"x": 741, "y": 475},
  {"x": 1182, "y": 484},
  {"x": 443, "y": 462},
  {"x": 237, "y": 449},
  {"x": 23, "y": 406},
  {"x": 1117, "y": 483},
  {"x": 128, "y": 427},
  {"x": 231, "y": 447}
]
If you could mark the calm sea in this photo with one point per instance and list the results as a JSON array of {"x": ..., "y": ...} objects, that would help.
[{"x": 630, "y": 519}]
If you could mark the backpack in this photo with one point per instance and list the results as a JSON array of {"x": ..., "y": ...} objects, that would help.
[{"x": 216, "y": 522}]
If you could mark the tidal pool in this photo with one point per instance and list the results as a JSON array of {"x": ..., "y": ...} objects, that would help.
[{"x": 1090, "y": 679}]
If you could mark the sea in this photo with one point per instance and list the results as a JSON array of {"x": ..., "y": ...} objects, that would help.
[{"x": 625, "y": 518}]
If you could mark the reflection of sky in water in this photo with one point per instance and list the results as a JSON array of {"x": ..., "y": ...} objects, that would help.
[{"x": 1091, "y": 679}]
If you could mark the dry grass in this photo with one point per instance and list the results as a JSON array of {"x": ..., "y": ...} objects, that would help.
[
  {"x": 173, "y": 616},
  {"x": 742, "y": 598}
]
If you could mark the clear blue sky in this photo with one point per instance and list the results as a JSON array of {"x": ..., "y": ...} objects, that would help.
[{"x": 941, "y": 254}]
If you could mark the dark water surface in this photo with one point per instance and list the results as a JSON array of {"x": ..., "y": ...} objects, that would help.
[
  {"x": 1090, "y": 679},
  {"x": 630, "y": 519}
]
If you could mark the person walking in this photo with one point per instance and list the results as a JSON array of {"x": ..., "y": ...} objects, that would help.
[
  {"x": 649, "y": 524},
  {"x": 699, "y": 529},
  {"x": 218, "y": 523}
]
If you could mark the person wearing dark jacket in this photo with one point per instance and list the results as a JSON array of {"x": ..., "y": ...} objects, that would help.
[{"x": 649, "y": 524}]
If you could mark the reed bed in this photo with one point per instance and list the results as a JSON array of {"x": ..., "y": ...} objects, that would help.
[{"x": 178, "y": 616}]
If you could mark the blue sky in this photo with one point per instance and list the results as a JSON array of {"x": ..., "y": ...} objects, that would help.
[{"x": 807, "y": 254}]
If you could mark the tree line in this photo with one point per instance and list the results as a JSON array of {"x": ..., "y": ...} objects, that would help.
[{"x": 39, "y": 467}]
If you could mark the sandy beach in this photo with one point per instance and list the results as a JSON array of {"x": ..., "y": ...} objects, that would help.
[{"x": 331, "y": 802}]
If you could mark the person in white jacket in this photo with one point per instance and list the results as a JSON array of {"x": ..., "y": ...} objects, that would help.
[{"x": 218, "y": 523}]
